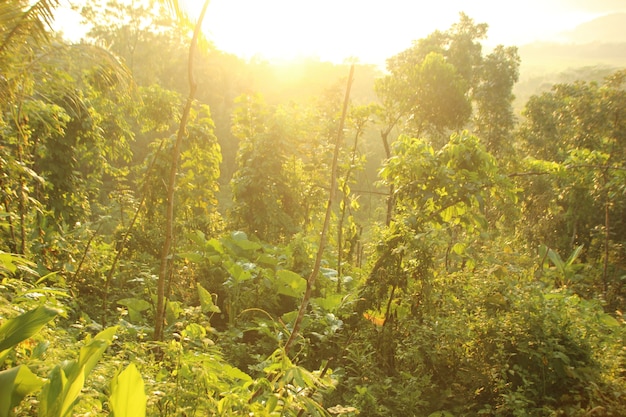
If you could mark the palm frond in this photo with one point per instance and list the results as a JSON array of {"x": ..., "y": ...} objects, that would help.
[
  {"x": 183, "y": 12},
  {"x": 19, "y": 21},
  {"x": 174, "y": 6},
  {"x": 65, "y": 63},
  {"x": 105, "y": 67}
]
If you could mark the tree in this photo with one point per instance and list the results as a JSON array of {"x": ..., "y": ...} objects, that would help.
[
  {"x": 265, "y": 204},
  {"x": 494, "y": 119},
  {"x": 62, "y": 142},
  {"x": 575, "y": 137},
  {"x": 281, "y": 157},
  {"x": 432, "y": 81},
  {"x": 432, "y": 87}
]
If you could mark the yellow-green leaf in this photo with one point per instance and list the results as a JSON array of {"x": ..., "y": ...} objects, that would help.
[{"x": 128, "y": 397}]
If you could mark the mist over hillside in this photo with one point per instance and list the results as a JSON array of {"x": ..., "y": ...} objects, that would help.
[
  {"x": 589, "y": 52},
  {"x": 605, "y": 29},
  {"x": 601, "y": 41}
]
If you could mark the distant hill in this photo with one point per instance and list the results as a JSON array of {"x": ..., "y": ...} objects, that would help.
[
  {"x": 589, "y": 52},
  {"x": 606, "y": 29},
  {"x": 601, "y": 41},
  {"x": 560, "y": 56}
]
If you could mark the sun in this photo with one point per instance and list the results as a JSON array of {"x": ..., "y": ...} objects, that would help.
[
  {"x": 275, "y": 29},
  {"x": 370, "y": 30},
  {"x": 280, "y": 30}
]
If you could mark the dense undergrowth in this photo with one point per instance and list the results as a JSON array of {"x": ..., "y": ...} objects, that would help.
[{"x": 499, "y": 341}]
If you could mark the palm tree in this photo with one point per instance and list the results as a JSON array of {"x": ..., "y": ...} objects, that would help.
[
  {"x": 27, "y": 52},
  {"x": 21, "y": 19}
]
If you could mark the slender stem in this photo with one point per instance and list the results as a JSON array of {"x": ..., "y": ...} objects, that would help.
[
  {"x": 607, "y": 237},
  {"x": 166, "y": 252},
  {"x": 333, "y": 184},
  {"x": 344, "y": 209},
  {"x": 122, "y": 245},
  {"x": 22, "y": 143},
  {"x": 85, "y": 252}
]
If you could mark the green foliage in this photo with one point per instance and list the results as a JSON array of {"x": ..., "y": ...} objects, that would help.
[
  {"x": 431, "y": 93},
  {"x": 433, "y": 86},
  {"x": 498, "y": 344},
  {"x": 575, "y": 135},
  {"x": 494, "y": 117},
  {"x": 15, "y": 330},
  {"x": 566, "y": 271},
  {"x": 265, "y": 197},
  {"x": 128, "y": 398},
  {"x": 290, "y": 283},
  {"x": 15, "y": 384},
  {"x": 22, "y": 20},
  {"x": 457, "y": 313},
  {"x": 59, "y": 394}
]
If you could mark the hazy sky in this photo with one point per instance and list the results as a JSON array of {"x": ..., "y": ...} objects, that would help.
[{"x": 374, "y": 30}]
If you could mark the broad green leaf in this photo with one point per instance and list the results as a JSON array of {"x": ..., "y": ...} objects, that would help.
[
  {"x": 194, "y": 331},
  {"x": 329, "y": 303},
  {"x": 459, "y": 248},
  {"x": 3, "y": 355},
  {"x": 10, "y": 262},
  {"x": 15, "y": 384},
  {"x": 197, "y": 237},
  {"x": 135, "y": 307},
  {"x": 239, "y": 235},
  {"x": 235, "y": 373},
  {"x": 20, "y": 328},
  {"x": 267, "y": 260},
  {"x": 290, "y": 284},
  {"x": 173, "y": 311},
  {"x": 553, "y": 296},
  {"x": 52, "y": 394},
  {"x": 128, "y": 397},
  {"x": 91, "y": 353},
  {"x": 40, "y": 349},
  {"x": 135, "y": 303},
  {"x": 556, "y": 260},
  {"x": 271, "y": 403},
  {"x": 206, "y": 301},
  {"x": 238, "y": 272},
  {"x": 574, "y": 255},
  {"x": 609, "y": 320},
  {"x": 215, "y": 245},
  {"x": 241, "y": 240},
  {"x": 71, "y": 391},
  {"x": 48, "y": 291},
  {"x": 47, "y": 277},
  {"x": 59, "y": 395},
  {"x": 192, "y": 256}
]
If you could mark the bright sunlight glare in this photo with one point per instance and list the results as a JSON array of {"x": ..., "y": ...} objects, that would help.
[{"x": 373, "y": 30}]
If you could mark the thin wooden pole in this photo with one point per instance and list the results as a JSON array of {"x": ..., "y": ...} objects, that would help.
[
  {"x": 166, "y": 252},
  {"x": 331, "y": 196}
]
